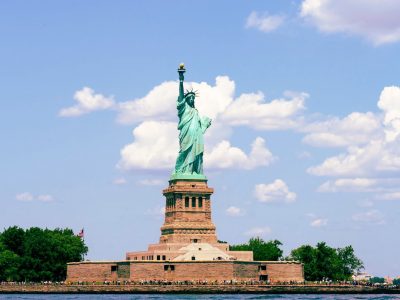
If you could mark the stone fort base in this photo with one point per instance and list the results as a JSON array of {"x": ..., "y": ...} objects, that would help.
[{"x": 210, "y": 271}]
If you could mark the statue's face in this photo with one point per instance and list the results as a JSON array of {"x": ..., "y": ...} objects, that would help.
[{"x": 190, "y": 100}]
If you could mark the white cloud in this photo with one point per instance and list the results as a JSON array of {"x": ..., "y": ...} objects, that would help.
[
  {"x": 380, "y": 154},
  {"x": 276, "y": 191},
  {"x": 264, "y": 22},
  {"x": 45, "y": 198},
  {"x": 88, "y": 101},
  {"x": 155, "y": 147},
  {"x": 258, "y": 231},
  {"x": 389, "y": 196},
  {"x": 356, "y": 128},
  {"x": 319, "y": 223},
  {"x": 372, "y": 216},
  {"x": 251, "y": 110},
  {"x": 234, "y": 211},
  {"x": 155, "y": 138},
  {"x": 159, "y": 151},
  {"x": 27, "y": 197},
  {"x": 357, "y": 161},
  {"x": 389, "y": 103},
  {"x": 119, "y": 181},
  {"x": 376, "y": 21},
  {"x": 311, "y": 215},
  {"x": 348, "y": 184},
  {"x": 24, "y": 197},
  {"x": 160, "y": 103},
  {"x": 224, "y": 156},
  {"x": 151, "y": 182},
  {"x": 218, "y": 103},
  {"x": 215, "y": 101}
]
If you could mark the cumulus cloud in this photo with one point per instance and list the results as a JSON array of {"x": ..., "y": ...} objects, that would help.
[
  {"x": 24, "y": 197},
  {"x": 224, "y": 156},
  {"x": 389, "y": 103},
  {"x": 45, "y": 198},
  {"x": 88, "y": 101},
  {"x": 372, "y": 216},
  {"x": 356, "y": 128},
  {"x": 380, "y": 154},
  {"x": 217, "y": 102},
  {"x": 27, "y": 197},
  {"x": 357, "y": 161},
  {"x": 319, "y": 222},
  {"x": 376, "y": 21},
  {"x": 348, "y": 184},
  {"x": 151, "y": 182},
  {"x": 119, "y": 181},
  {"x": 264, "y": 22},
  {"x": 258, "y": 231},
  {"x": 234, "y": 211},
  {"x": 159, "y": 151},
  {"x": 389, "y": 196},
  {"x": 253, "y": 111},
  {"x": 155, "y": 146},
  {"x": 160, "y": 103},
  {"x": 276, "y": 191}
]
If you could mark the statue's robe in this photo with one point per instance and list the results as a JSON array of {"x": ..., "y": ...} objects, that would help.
[{"x": 191, "y": 142}]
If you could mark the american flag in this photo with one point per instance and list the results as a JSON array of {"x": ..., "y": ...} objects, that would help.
[{"x": 81, "y": 233}]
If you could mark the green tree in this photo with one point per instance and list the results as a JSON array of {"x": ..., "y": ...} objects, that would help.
[
  {"x": 13, "y": 239},
  {"x": 377, "y": 280},
  {"x": 396, "y": 281},
  {"x": 37, "y": 254},
  {"x": 327, "y": 262},
  {"x": 306, "y": 255},
  {"x": 349, "y": 261},
  {"x": 261, "y": 250},
  {"x": 9, "y": 265},
  {"x": 324, "y": 262}
]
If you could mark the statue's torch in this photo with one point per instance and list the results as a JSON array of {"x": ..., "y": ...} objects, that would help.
[{"x": 181, "y": 71}]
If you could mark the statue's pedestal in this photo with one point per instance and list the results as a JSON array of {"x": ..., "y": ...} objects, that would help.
[
  {"x": 188, "y": 232},
  {"x": 188, "y": 213}
]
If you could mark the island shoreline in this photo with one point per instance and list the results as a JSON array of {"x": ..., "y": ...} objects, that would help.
[{"x": 195, "y": 289}]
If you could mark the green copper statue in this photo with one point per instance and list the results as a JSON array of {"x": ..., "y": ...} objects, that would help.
[{"x": 189, "y": 164}]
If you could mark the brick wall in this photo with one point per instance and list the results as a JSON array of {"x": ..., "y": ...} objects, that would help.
[
  {"x": 91, "y": 272},
  {"x": 211, "y": 271},
  {"x": 284, "y": 272},
  {"x": 245, "y": 271},
  {"x": 181, "y": 271}
]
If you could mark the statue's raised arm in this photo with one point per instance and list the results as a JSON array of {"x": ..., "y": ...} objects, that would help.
[
  {"x": 189, "y": 163},
  {"x": 181, "y": 97}
]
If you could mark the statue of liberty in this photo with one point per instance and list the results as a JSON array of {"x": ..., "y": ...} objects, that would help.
[{"x": 192, "y": 127}]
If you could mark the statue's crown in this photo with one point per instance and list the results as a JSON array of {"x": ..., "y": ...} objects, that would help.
[{"x": 191, "y": 92}]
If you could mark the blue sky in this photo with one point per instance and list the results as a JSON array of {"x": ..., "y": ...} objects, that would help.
[{"x": 304, "y": 97}]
